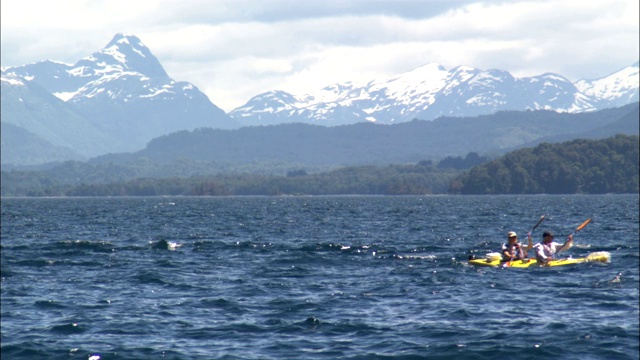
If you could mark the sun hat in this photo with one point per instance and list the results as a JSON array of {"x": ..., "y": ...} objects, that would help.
[{"x": 512, "y": 234}]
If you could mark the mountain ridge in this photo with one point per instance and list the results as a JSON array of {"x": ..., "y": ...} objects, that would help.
[
  {"x": 120, "y": 98},
  {"x": 431, "y": 91}
]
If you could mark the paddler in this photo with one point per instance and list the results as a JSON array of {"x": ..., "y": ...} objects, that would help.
[
  {"x": 512, "y": 249},
  {"x": 546, "y": 250}
]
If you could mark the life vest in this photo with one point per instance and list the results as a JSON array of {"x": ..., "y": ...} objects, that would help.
[{"x": 515, "y": 249}]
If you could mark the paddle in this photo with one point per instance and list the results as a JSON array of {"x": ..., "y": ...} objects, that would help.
[
  {"x": 538, "y": 223},
  {"x": 582, "y": 226},
  {"x": 569, "y": 243},
  {"x": 530, "y": 245}
]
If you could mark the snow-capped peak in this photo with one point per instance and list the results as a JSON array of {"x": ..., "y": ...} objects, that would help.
[
  {"x": 124, "y": 52},
  {"x": 618, "y": 88},
  {"x": 425, "y": 79}
]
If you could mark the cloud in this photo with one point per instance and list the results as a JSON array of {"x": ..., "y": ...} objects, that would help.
[{"x": 235, "y": 49}]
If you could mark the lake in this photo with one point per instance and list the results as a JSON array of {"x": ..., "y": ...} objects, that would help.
[{"x": 344, "y": 277}]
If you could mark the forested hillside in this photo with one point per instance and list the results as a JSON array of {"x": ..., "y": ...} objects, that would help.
[
  {"x": 578, "y": 166},
  {"x": 375, "y": 144}
]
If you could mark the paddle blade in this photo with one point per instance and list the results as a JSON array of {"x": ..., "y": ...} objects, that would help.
[
  {"x": 599, "y": 256},
  {"x": 583, "y": 224}
]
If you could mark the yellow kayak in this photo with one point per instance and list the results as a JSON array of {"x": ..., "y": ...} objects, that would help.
[{"x": 601, "y": 256}]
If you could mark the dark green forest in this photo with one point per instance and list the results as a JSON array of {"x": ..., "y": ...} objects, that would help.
[
  {"x": 579, "y": 166},
  {"x": 422, "y": 178}
]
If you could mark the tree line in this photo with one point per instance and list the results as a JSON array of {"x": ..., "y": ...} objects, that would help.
[
  {"x": 580, "y": 166},
  {"x": 416, "y": 179}
]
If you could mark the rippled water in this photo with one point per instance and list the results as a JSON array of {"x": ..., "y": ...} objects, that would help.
[{"x": 313, "y": 278}]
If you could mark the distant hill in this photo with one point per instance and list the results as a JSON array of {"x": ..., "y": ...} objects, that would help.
[
  {"x": 48, "y": 120},
  {"x": 627, "y": 124},
  {"x": 32, "y": 147},
  {"x": 366, "y": 143}
]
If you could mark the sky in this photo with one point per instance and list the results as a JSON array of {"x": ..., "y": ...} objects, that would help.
[{"x": 233, "y": 50}]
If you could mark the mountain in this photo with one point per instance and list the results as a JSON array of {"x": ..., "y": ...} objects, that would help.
[
  {"x": 52, "y": 125},
  {"x": 120, "y": 98},
  {"x": 432, "y": 91},
  {"x": 122, "y": 92},
  {"x": 31, "y": 147},
  {"x": 367, "y": 143},
  {"x": 616, "y": 89}
]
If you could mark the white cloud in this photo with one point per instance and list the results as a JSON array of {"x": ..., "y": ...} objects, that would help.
[{"x": 233, "y": 50}]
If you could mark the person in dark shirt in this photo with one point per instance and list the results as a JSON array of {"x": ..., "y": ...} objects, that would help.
[{"x": 513, "y": 250}]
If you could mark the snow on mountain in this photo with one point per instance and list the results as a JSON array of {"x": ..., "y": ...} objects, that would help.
[
  {"x": 124, "y": 91},
  {"x": 12, "y": 80},
  {"x": 125, "y": 57},
  {"x": 616, "y": 89},
  {"x": 431, "y": 91}
]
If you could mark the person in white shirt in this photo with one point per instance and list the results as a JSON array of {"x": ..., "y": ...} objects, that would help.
[{"x": 546, "y": 250}]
